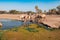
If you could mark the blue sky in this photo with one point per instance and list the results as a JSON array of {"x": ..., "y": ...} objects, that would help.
[{"x": 28, "y": 5}]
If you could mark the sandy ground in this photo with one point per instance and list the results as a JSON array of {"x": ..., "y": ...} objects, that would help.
[
  {"x": 11, "y": 16},
  {"x": 51, "y": 20}
]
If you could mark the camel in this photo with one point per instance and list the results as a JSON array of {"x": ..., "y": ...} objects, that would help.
[
  {"x": 0, "y": 25},
  {"x": 43, "y": 17}
]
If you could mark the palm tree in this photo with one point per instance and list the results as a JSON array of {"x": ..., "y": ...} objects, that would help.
[
  {"x": 36, "y": 7},
  {"x": 38, "y": 10}
]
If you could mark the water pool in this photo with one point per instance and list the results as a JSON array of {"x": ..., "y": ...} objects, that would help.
[{"x": 7, "y": 23}]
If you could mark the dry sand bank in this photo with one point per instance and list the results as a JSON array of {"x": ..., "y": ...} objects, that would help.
[{"x": 11, "y": 16}]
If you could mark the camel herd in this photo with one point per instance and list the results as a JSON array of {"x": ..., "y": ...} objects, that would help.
[
  {"x": 33, "y": 17},
  {"x": 51, "y": 20},
  {"x": 38, "y": 18}
]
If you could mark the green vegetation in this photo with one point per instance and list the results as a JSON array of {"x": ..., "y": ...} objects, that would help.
[
  {"x": 1, "y": 34},
  {"x": 30, "y": 32},
  {"x": 55, "y": 11}
]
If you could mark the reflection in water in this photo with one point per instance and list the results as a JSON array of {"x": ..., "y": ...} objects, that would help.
[{"x": 7, "y": 23}]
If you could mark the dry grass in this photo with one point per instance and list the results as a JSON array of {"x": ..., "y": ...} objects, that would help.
[{"x": 23, "y": 34}]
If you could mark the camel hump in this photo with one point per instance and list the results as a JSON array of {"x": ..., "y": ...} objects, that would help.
[
  {"x": 0, "y": 24},
  {"x": 43, "y": 15}
]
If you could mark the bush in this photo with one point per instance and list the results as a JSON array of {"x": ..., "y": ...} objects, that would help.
[{"x": 31, "y": 29}]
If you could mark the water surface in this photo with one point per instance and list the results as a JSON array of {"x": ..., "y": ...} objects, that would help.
[{"x": 7, "y": 23}]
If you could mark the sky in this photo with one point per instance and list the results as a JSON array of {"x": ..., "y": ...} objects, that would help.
[{"x": 28, "y": 5}]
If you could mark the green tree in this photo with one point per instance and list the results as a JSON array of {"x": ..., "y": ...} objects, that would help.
[
  {"x": 30, "y": 12},
  {"x": 3, "y": 12},
  {"x": 52, "y": 11},
  {"x": 14, "y": 12},
  {"x": 45, "y": 11},
  {"x": 58, "y": 7}
]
